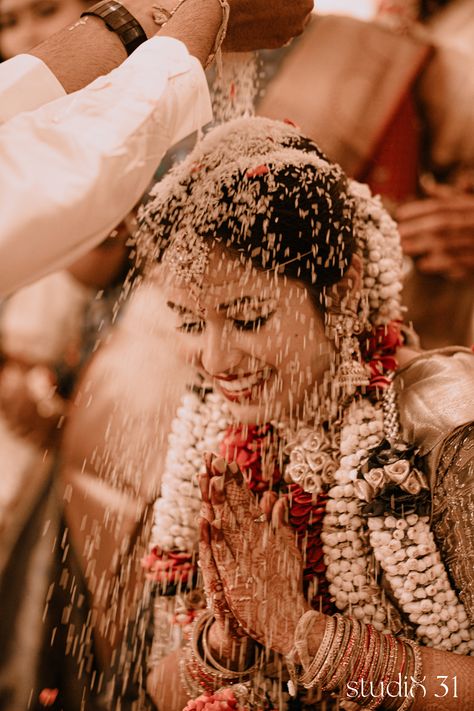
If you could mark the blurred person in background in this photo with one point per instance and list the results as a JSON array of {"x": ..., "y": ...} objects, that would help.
[
  {"x": 26, "y": 23},
  {"x": 43, "y": 327},
  {"x": 392, "y": 100}
]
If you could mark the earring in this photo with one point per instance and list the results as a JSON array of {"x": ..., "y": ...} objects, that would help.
[{"x": 343, "y": 327}]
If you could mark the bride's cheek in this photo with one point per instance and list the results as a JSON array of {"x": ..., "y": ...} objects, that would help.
[{"x": 187, "y": 350}]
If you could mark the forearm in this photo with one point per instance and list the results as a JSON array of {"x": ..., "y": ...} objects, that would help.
[
  {"x": 446, "y": 680},
  {"x": 164, "y": 684},
  {"x": 79, "y": 54}
]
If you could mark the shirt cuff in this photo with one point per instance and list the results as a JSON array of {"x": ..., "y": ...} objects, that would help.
[{"x": 26, "y": 83}]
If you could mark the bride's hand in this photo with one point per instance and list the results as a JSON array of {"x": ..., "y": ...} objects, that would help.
[
  {"x": 257, "y": 563},
  {"x": 226, "y": 638}
]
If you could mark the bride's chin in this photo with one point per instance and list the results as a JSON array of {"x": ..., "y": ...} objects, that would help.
[{"x": 249, "y": 413}]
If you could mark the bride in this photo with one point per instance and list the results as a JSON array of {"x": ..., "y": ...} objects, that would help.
[{"x": 332, "y": 551}]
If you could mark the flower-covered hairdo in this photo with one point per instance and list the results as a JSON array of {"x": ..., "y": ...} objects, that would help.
[{"x": 264, "y": 191}]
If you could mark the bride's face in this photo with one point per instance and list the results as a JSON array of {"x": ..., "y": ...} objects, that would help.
[{"x": 256, "y": 336}]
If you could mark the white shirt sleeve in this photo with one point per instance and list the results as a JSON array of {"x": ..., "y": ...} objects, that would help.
[
  {"x": 26, "y": 83},
  {"x": 72, "y": 169}
]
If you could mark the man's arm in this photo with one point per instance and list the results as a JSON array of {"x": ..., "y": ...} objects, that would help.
[
  {"x": 195, "y": 23},
  {"x": 253, "y": 24},
  {"x": 71, "y": 170}
]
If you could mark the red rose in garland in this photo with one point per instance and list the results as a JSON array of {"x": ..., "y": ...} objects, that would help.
[{"x": 254, "y": 448}]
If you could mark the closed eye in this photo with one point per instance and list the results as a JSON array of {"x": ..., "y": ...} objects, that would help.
[
  {"x": 252, "y": 324},
  {"x": 192, "y": 327}
]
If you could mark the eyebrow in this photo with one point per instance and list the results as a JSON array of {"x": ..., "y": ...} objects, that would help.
[{"x": 239, "y": 301}]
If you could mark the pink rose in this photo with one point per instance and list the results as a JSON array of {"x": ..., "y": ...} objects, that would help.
[
  {"x": 314, "y": 442},
  {"x": 312, "y": 483},
  {"x": 363, "y": 490},
  {"x": 398, "y": 471},
  {"x": 47, "y": 697},
  {"x": 327, "y": 475},
  {"x": 220, "y": 701},
  {"x": 296, "y": 472},
  {"x": 376, "y": 479},
  {"x": 317, "y": 461},
  {"x": 415, "y": 482},
  {"x": 297, "y": 456}
]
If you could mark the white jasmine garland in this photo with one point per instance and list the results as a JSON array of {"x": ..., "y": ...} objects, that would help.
[
  {"x": 354, "y": 545},
  {"x": 378, "y": 243},
  {"x": 404, "y": 549},
  {"x": 198, "y": 427}
]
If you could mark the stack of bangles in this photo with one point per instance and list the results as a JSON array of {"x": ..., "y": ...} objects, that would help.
[
  {"x": 357, "y": 661},
  {"x": 200, "y": 671}
]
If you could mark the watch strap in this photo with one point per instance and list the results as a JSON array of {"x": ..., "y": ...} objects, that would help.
[{"x": 119, "y": 20}]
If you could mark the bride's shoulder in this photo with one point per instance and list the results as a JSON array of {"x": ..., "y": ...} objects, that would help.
[
  {"x": 435, "y": 393},
  {"x": 416, "y": 365}
]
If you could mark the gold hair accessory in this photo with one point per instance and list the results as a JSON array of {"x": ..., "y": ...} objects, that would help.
[{"x": 187, "y": 258}]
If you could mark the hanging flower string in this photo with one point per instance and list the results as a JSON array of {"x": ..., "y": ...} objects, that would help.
[
  {"x": 197, "y": 428},
  {"x": 306, "y": 516},
  {"x": 378, "y": 349}
]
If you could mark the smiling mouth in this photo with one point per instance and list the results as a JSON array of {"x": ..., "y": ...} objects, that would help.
[{"x": 245, "y": 388}]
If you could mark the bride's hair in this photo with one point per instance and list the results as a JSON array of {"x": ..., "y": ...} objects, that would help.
[
  {"x": 265, "y": 192},
  {"x": 262, "y": 191}
]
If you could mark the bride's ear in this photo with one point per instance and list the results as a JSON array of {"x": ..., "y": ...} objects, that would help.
[{"x": 346, "y": 292}]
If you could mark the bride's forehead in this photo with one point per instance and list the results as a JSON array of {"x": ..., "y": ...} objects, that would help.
[{"x": 227, "y": 279}]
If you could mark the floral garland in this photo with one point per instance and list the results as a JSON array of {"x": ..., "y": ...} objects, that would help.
[
  {"x": 353, "y": 496},
  {"x": 381, "y": 509},
  {"x": 198, "y": 427},
  {"x": 204, "y": 426}
]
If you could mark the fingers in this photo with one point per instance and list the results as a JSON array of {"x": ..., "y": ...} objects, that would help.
[
  {"x": 436, "y": 216},
  {"x": 280, "y": 513},
  {"x": 267, "y": 502},
  {"x": 212, "y": 582}
]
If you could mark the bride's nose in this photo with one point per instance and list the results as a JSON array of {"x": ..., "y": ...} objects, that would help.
[{"x": 220, "y": 352}]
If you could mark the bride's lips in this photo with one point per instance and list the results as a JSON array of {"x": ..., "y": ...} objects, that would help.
[{"x": 236, "y": 388}]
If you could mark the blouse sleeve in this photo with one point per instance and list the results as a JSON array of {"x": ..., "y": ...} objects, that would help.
[{"x": 453, "y": 512}]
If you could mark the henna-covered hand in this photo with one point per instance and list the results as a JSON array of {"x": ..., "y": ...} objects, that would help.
[{"x": 257, "y": 564}]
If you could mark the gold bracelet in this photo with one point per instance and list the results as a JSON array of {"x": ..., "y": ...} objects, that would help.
[
  {"x": 208, "y": 656},
  {"x": 417, "y": 672},
  {"x": 315, "y": 666}
]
